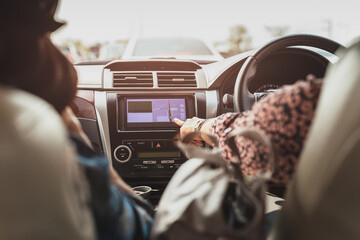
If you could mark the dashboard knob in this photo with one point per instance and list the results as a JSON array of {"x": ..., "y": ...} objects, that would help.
[
  {"x": 122, "y": 153},
  {"x": 228, "y": 100}
]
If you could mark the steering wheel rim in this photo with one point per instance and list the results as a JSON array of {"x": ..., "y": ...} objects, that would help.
[{"x": 243, "y": 98}]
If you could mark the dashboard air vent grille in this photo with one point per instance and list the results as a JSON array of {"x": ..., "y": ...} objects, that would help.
[
  {"x": 132, "y": 79},
  {"x": 176, "y": 79}
]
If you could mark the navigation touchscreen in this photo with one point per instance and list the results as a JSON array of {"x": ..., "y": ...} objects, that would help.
[{"x": 159, "y": 110}]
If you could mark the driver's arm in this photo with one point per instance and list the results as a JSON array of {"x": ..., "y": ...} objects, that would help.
[{"x": 284, "y": 116}]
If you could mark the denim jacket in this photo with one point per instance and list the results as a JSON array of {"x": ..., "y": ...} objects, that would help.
[{"x": 117, "y": 215}]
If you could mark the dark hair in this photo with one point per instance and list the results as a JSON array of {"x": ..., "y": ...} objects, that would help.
[
  {"x": 32, "y": 16},
  {"x": 29, "y": 60},
  {"x": 37, "y": 66}
]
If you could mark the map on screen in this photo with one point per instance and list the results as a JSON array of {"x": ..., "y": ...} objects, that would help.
[{"x": 155, "y": 110}]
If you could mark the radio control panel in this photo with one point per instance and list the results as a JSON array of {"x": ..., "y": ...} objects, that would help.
[{"x": 146, "y": 155}]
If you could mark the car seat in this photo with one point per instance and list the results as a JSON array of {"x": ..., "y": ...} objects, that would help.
[
  {"x": 43, "y": 190},
  {"x": 323, "y": 200}
]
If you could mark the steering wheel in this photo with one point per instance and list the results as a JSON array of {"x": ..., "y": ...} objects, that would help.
[{"x": 243, "y": 98}]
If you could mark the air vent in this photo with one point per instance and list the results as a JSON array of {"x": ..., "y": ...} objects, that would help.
[
  {"x": 176, "y": 79},
  {"x": 132, "y": 79}
]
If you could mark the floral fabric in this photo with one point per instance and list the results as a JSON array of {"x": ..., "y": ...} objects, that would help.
[{"x": 285, "y": 117}]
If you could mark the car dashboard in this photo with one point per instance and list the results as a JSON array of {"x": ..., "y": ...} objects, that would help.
[{"x": 127, "y": 107}]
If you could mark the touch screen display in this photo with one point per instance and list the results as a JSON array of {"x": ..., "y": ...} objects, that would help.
[{"x": 155, "y": 110}]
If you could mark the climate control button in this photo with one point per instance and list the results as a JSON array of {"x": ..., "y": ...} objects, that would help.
[{"x": 122, "y": 153}]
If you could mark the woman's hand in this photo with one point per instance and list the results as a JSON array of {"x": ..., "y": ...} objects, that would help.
[
  {"x": 73, "y": 125},
  {"x": 189, "y": 126}
]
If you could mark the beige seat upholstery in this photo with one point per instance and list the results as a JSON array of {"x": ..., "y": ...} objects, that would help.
[
  {"x": 323, "y": 201},
  {"x": 43, "y": 193}
]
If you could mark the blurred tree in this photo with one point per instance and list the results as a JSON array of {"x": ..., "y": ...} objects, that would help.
[
  {"x": 76, "y": 50},
  {"x": 239, "y": 39},
  {"x": 277, "y": 31},
  {"x": 80, "y": 46}
]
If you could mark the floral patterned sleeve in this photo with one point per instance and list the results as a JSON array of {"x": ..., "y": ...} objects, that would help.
[{"x": 285, "y": 117}]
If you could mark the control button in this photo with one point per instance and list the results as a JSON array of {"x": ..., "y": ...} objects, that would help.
[
  {"x": 130, "y": 145},
  {"x": 167, "y": 161},
  {"x": 122, "y": 153},
  {"x": 142, "y": 145},
  {"x": 149, "y": 162},
  {"x": 157, "y": 145}
]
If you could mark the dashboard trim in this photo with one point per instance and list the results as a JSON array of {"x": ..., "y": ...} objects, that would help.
[
  {"x": 211, "y": 103},
  {"x": 103, "y": 122},
  {"x": 107, "y": 78}
]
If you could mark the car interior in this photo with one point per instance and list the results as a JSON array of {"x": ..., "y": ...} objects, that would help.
[
  {"x": 126, "y": 107},
  {"x": 131, "y": 91},
  {"x": 121, "y": 103}
]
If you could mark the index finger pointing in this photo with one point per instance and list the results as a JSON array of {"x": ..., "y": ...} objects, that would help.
[{"x": 178, "y": 122}]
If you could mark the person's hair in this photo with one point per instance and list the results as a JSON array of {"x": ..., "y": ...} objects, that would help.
[{"x": 28, "y": 59}]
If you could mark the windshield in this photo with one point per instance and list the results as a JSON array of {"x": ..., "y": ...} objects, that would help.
[
  {"x": 169, "y": 47},
  {"x": 104, "y": 30}
]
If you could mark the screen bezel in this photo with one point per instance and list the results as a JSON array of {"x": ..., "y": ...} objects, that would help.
[{"x": 122, "y": 112}]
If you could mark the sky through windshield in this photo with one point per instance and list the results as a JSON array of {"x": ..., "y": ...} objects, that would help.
[
  {"x": 102, "y": 22},
  {"x": 93, "y": 21}
]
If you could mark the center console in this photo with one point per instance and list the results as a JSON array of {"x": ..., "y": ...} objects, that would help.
[
  {"x": 133, "y": 106},
  {"x": 143, "y": 134}
]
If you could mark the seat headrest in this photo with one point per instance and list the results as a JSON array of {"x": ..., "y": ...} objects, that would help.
[
  {"x": 322, "y": 201},
  {"x": 43, "y": 190}
]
